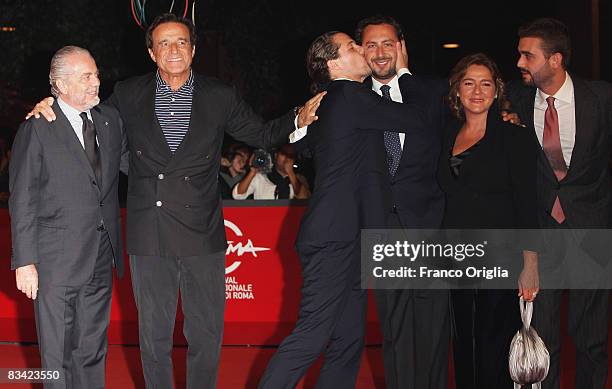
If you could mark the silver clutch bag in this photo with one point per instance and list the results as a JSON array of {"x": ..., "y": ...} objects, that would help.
[{"x": 529, "y": 359}]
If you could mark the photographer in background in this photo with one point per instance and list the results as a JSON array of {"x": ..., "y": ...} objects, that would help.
[
  {"x": 233, "y": 168},
  {"x": 267, "y": 182}
]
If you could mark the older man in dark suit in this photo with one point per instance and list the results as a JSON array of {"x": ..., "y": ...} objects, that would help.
[
  {"x": 571, "y": 119},
  {"x": 65, "y": 220}
]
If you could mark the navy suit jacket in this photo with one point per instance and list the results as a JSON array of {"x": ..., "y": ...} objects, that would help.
[
  {"x": 416, "y": 196},
  {"x": 351, "y": 188}
]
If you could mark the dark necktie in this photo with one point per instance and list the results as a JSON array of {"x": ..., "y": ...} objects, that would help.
[
  {"x": 392, "y": 139},
  {"x": 551, "y": 143},
  {"x": 91, "y": 147}
]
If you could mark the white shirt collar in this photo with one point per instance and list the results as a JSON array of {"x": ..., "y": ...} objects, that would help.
[
  {"x": 394, "y": 84},
  {"x": 565, "y": 94},
  {"x": 71, "y": 113}
]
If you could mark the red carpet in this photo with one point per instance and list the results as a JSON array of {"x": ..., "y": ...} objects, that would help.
[{"x": 241, "y": 367}]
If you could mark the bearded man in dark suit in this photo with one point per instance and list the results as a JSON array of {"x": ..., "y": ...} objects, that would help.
[{"x": 571, "y": 120}]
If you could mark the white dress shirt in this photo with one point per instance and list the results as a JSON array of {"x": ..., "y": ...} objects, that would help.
[
  {"x": 566, "y": 110},
  {"x": 75, "y": 120},
  {"x": 301, "y": 132}
]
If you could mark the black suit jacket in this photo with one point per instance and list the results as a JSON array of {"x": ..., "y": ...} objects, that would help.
[
  {"x": 585, "y": 191},
  {"x": 351, "y": 188},
  {"x": 416, "y": 195},
  {"x": 496, "y": 186},
  {"x": 56, "y": 203},
  {"x": 173, "y": 204}
]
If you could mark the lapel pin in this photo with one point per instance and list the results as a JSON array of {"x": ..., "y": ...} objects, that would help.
[{"x": 106, "y": 123}]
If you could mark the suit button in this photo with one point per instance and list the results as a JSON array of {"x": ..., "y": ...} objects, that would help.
[
  {"x": 158, "y": 203},
  {"x": 394, "y": 209},
  {"x": 138, "y": 153},
  {"x": 93, "y": 183},
  {"x": 187, "y": 178},
  {"x": 187, "y": 206},
  {"x": 101, "y": 203},
  {"x": 161, "y": 176},
  {"x": 207, "y": 157}
]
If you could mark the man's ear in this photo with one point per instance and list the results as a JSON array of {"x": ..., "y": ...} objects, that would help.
[
  {"x": 152, "y": 55},
  {"x": 61, "y": 86},
  {"x": 332, "y": 64},
  {"x": 556, "y": 60}
]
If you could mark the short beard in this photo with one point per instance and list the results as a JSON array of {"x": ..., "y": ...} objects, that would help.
[
  {"x": 528, "y": 82},
  {"x": 384, "y": 76}
]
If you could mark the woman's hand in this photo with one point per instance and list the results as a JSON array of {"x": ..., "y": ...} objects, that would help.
[{"x": 529, "y": 280}]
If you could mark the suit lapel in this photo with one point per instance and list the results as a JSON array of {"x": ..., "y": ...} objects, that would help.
[
  {"x": 65, "y": 133},
  {"x": 203, "y": 111},
  {"x": 147, "y": 106},
  {"x": 104, "y": 143},
  {"x": 582, "y": 100}
]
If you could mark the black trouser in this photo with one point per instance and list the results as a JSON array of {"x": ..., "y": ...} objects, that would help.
[
  {"x": 156, "y": 282},
  {"x": 415, "y": 324},
  {"x": 416, "y": 334},
  {"x": 588, "y": 313},
  {"x": 485, "y": 322},
  {"x": 588, "y": 318},
  {"x": 71, "y": 323},
  {"x": 331, "y": 320}
]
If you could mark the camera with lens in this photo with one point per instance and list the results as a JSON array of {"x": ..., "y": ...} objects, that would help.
[{"x": 262, "y": 161}]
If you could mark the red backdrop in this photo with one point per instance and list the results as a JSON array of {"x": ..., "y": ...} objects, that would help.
[{"x": 263, "y": 280}]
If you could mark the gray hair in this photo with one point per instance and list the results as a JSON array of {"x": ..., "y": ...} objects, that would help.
[{"x": 59, "y": 67}]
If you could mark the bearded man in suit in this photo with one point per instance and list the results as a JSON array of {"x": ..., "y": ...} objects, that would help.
[{"x": 571, "y": 120}]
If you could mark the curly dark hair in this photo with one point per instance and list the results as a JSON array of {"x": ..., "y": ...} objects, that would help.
[
  {"x": 321, "y": 50},
  {"x": 170, "y": 18},
  {"x": 458, "y": 73}
]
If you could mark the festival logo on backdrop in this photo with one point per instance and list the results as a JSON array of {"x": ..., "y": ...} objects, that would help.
[{"x": 239, "y": 250}]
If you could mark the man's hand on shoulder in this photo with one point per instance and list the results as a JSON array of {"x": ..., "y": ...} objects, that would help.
[
  {"x": 307, "y": 113},
  {"x": 43, "y": 108},
  {"x": 512, "y": 117},
  {"x": 27, "y": 280}
]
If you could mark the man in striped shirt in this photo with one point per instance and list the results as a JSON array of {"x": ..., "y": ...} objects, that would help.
[{"x": 173, "y": 109}]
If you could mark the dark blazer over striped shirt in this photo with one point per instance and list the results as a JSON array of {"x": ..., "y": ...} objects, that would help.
[{"x": 173, "y": 205}]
